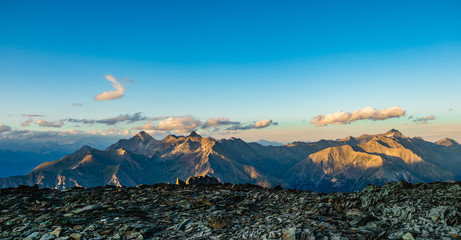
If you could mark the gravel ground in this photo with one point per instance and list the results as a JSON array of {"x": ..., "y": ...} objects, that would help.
[{"x": 226, "y": 211}]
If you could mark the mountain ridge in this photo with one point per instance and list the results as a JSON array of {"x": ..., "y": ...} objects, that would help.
[{"x": 346, "y": 164}]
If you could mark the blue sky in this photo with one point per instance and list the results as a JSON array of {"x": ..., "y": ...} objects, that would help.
[{"x": 246, "y": 61}]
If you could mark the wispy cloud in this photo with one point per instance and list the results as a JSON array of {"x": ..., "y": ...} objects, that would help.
[
  {"x": 44, "y": 123},
  {"x": 111, "y": 95},
  {"x": 123, "y": 118},
  {"x": 77, "y": 104},
  {"x": 112, "y": 120},
  {"x": 4, "y": 128},
  {"x": 257, "y": 125},
  {"x": 216, "y": 122},
  {"x": 341, "y": 117},
  {"x": 424, "y": 120},
  {"x": 27, "y": 122},
  {"x": 30, "y": 120}
]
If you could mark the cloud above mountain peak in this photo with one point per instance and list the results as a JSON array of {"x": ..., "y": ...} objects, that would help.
[
  {"x": 217, "y": 122},
  {"x": 341, "y": 117},
  {"x": 179, "y": 124},
  {"x": 256, "y": 125}
]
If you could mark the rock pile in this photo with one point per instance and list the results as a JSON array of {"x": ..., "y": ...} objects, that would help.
[
  {"x": 226, "y": 211},
  {"x": 202, "y": 180}
]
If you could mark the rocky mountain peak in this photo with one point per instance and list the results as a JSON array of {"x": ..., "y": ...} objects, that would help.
[
  {"x": 234, "y": 139},
  {"x": 347, "y": 139},
  {"x": 143, "y": 136},
  {"x": 84, "y": 149},
  {"x": 447, "y": 142},
  {"x": 194, "y": 134},
  {"x": 170, "y": 136},
  {"x": 394, "y": 133}
]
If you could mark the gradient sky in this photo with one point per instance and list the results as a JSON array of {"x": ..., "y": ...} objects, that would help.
[{"x": 247, "y": 61}]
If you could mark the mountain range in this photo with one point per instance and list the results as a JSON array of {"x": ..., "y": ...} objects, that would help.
[
  {"x": 18, "y": 159},
  {"x": 347, "y": 164}
]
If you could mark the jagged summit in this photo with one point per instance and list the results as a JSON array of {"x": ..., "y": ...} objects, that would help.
[
  {"x": 394, "y": 133},
  {"x": 84, "y": 149},
  {"x": 447, "y": 142},
  {"x": 143, "y": 136},
  {"x": 170, "y": 138},
  {"x": 234, "y": 139},
  {"x": 194, "y": 134},
  {"x": 141, "y": 143},
  {"x": 349, "y": 138}
]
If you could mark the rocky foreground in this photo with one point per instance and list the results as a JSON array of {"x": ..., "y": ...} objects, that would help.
[{"x": 167, "y": 211}]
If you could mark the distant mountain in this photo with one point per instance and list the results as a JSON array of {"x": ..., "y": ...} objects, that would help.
[
  {"x": 447, "y": 142},
  {"x": 18, "y": 159},
  {"x": 347, "y": 164},
  {"x": 269, "y": 143}
]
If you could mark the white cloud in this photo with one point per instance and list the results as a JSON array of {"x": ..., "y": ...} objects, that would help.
[
  {"x": 256, "y": 125},
  {"x": 179, "y": 124},
  {"x": 341, "y": 117},
  {"x": 182, "y": 124},
  {"x": 111, "y": 95},
  {"x": 263, "y": 123},
  {"x": 44, "y": 123},
  {"x": 4, "y": 128}
]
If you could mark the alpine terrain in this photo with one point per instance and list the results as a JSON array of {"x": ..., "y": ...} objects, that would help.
[{"x": 347, "y": 164}]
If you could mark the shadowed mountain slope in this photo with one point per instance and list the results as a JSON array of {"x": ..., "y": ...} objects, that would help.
[{"x": 348, "y": 164}]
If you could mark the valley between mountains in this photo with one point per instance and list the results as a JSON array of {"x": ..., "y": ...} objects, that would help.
[{"x": 347, "y": 164}]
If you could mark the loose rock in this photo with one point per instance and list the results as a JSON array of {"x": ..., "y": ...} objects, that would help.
[{"x": 231, "y": 211}]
